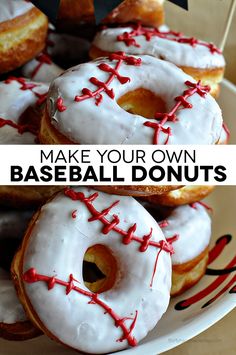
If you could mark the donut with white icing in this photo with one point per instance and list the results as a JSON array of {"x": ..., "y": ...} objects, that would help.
[
  {"x": 124, "y": 241},
  {"x": 14, "y": 325},
  {"x": 189, "y": 229},
  {"x": 21, "y": 103},
  {"x": 23, "y": 31},
  {"x": 116, "y": 94},
  {"x": 202, "y": 60}
]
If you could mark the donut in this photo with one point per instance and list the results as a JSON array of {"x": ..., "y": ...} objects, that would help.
[
  {"x": 119, "y": 235},
  {"x": 14, "y": 324},
  {"x": 189, "y": 228},
  {"x": 23, "y": 31},
  {"x": 147, "y": 12},
  {"x": 20, "y": 114},
  {"x": 76, "y": 17},
  {"x": 62, "y": 49},
  {"x": 181, "y": 196},
  {"x": 201, "y": 60},
  {"x": 41, "y": 69},
  {"x": 122, "y": 94}
]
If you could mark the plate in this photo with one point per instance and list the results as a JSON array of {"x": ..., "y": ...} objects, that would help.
[{"x": 202, "y": 306}]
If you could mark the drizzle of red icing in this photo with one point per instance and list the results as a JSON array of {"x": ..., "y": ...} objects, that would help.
[
  {"x": 194, "y": 88},
  {"x": 74, "y": 214},
  {"x": 25, "y": 85},
  {"x": 138, "y": 30},
  {"x": 31, "y": 276},
  {"x": 20, "y": 128},
  {"x": 120, "y": 57},
  {"x": 194, "y": 205},
  {"x": 42, "y": 58},
  {"x": 60, "y": 104},
  {"x": 127, "y": 236}
]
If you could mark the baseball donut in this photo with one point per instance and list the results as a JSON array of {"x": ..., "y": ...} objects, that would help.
[
  {"x": 189, "y": 229},
  {"x": 201, "y": 60},
  {"x": 124, "y": 241}
]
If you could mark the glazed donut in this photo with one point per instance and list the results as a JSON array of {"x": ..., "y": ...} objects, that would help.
[
  {"x": 76, "y": 17},
  {"x": 41, "y": 69},
  {"x": 23, "y": 31},
  {"x": 182, "y": 196},
  {"x": 14, "y": 324},
  {"x": 148, "y": 12},
  {"x": 203, "y": 61},
  {"x": 189, "y": 228},
  {"x": 20, "y": 114},
  {"x": 86, "y": 225},
  {"x": 118, "y": 93}
]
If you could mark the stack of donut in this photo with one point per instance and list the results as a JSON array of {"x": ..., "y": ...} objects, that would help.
[{"x": 96, "y": 268}]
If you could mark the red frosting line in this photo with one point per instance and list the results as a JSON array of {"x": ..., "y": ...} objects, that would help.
[
  {"x": 138, "y": 30},
  {"x": 42, "y": 58},
  {"x": 194, "y": 205},
  {"x": 25, "y": 85},
  {"x": 31, "y": 276},
  {"x": 114, "y": 73},
  {"x": 194, "y": 88},
  {"x": 127, "y": 236},
  {"x": 60, "y": 104},
  {"x": 20, "y": 128}
]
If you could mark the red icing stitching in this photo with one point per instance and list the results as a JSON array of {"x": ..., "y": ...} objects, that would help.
[
  {"x": 127, "y": 236},
  {"x": 60, "y": 104},
  {"x": 31, "y": 276},
  {"x": 138, "y": 30},
  {"x": 27, "y": 86},
  {"x": 227, "y": 131},
  {"x": 194, "y": 88},
  {"x": 74, "y": 214},
  {"x": 20, "y": 128},
  {"x": 194, "y": 205},
  {"x": 42, "y": 58},
  {"x": 114, "y": 73}
]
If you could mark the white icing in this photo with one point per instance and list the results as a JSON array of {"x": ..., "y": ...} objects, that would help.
[
  {"x": 71, "y": 318},
  {"x": 46, "y": 72},
  {"x": 11, "y": 311},
  {"x": 193, "y": 225},
  {"x": 13, "y": 103},
  {"x": 12, "y": 225},
  {"x": 181, "y": 54},
  {"x": 9, "y": 9},
  {"x": 200, "y": 125}
]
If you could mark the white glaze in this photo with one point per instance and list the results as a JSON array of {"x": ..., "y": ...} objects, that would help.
[
  {"x": 200, "y": 125},
  {"x": 70, "y": 318},
  {"x": 9, "y": 9},
  {"x": 193, "y": 225},
  {"x": 46, "y": 72},
  {"x": 13, "y": 102},
  {"x": 180, "y": 54},
  {"x": 12, "y": 225}
]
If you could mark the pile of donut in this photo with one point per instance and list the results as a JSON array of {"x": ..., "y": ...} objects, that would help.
[{"x": 95, "y": 269}]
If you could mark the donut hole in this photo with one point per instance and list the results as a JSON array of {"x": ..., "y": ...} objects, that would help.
[
  {"x": 142, "y": 102},
  {"x": 99, "y": 269}
]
